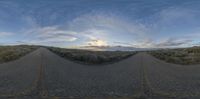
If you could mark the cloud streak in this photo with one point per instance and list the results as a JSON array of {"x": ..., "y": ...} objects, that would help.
[
  {"x": 173, "y": 43},
  {"x": 5, "y": 34},
  {"x": 48, "y": 36}
]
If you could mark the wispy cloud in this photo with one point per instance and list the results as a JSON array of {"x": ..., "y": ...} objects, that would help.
[
  {"x": 5, "y": 34},
  {"x": 123, "y": 43},
  {"x": 164, "y": 43},
  {"x": 171, "y": 14},
  {"x": 171, "y": 42},
  {"x": 49, "y": 35}
]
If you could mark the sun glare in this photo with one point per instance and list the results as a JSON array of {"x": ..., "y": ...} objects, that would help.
[{"x": 97, "y": 43}]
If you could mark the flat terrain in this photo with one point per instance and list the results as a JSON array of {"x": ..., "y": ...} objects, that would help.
[
  {"x": 183, "y": 56},
  {"x": 10, "y": 53},
  {"x": 43, "y": 74}
]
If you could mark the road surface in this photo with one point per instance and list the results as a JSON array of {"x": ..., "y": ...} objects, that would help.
[{"x": 43, "y": 74}]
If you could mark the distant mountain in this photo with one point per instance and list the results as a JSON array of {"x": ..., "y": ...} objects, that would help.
[{"x": 111, "y": 48}]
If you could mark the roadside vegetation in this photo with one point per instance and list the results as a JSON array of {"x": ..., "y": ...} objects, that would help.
[
  {"x": 9, "y": 53},
  {"x": 92, "y": 57},
  {"x": 183, "y": 56}
]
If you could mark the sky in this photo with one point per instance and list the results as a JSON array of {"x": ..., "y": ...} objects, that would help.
[{"x": 73, "y": 23}]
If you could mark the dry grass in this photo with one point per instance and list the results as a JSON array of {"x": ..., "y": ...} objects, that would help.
[
  {"x": 184, "y": 56},
  {"x": 9, "y": 53}
]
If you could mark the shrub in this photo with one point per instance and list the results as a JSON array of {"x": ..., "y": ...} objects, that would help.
[
  {"x": 179, "y": 56},
  {"x": 9, "y": 53}
]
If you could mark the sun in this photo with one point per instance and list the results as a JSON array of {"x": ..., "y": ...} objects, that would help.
[{"x": 97, "y": 43}]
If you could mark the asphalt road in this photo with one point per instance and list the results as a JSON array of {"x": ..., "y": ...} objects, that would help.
[
  {"x": 20, "y": 77},
  {"x": 172, "y": 80},
  {"x": 43, "y": 74}
]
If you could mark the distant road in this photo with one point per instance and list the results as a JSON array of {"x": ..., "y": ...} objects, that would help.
[{"x": 43, "y": 74}]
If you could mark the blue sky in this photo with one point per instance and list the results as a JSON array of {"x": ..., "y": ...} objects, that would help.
[{"x": 72, "y": 23}]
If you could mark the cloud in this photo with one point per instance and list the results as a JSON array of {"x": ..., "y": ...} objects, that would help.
[
  {"x": 89, "y": 29},
  {"x": 164, "y": 43},
  {"x": 123, "y": 43},
  {"x": 196, "y": 44},
  {"x": 177, "y": 13},
  {"x": 97, "y": 43},
  {"x": 115, "y": 30},
  {"x": 5, "y": 34},
  {"x": 108, "y": 27},
  {"x": 49, "y": 35},
  {"x": 171, "y": 42},
  {"x": 176, "y": 19},
  {"x": 137, "y": 24},
  {"x": 53, "y": 33},
  {"x": 173, "y": 26},
  {"x": 100, "y": 29}
]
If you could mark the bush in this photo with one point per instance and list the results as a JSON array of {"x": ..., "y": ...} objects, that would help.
[
  {"x": 9, "y": 53},
  {"x": 179, "y": 56}
]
